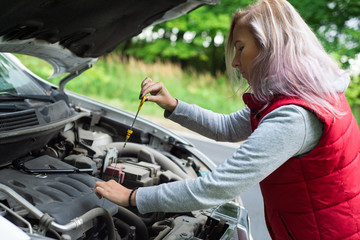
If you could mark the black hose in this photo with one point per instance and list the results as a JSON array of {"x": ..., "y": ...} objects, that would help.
[
  {"x": 122, "y": 228},
  {"x": 151, "y": 218},
  {"x": 101, "y": 212},
  {"x": 133, "y": 220}
]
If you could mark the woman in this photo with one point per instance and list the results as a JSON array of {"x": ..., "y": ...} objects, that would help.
[{"x": 302, "y": 141}]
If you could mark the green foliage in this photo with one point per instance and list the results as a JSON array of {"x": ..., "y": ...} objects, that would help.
[
  {"x": 336, "y": 23},
  {"x": 150, "y": 52},
  {"x": 353, "y": 96},
  {"x": 353, "y": 92},
  {"x": 201, "y": 51}
]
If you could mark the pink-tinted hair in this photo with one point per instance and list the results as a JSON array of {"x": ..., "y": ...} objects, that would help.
[{"x": 292, "y": 61}]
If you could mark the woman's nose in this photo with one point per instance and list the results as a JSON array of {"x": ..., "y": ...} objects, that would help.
[{"x": 235, "y": 62}]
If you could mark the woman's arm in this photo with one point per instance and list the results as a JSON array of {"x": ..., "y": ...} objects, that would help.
[
  {"x": 234, "y": 127},
  {"x": 286, "y": 132}
]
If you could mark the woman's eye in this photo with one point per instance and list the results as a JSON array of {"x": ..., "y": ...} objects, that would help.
[{"x": 240, "y": 49}]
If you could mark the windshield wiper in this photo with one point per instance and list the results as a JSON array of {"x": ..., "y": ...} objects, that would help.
[{"x": 11, "y": 96}]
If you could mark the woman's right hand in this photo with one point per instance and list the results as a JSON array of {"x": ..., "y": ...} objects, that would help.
[{"x": 158, "y": 94}]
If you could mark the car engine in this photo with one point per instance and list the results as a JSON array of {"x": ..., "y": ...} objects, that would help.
[{"x": 47, "y": 189}]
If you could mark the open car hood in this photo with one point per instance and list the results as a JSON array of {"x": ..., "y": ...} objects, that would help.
[{"x": 70, "y": 35}]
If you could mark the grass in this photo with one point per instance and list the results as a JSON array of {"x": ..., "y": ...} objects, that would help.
[{"x": 117, "y": 83}]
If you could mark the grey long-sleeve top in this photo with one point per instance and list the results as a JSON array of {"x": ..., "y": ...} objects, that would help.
[{"x": 285, "y": 132}]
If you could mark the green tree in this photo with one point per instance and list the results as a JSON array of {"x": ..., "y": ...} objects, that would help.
[
  {"x": 337, "y": 24},
  {"x": 195, "y": 39}
]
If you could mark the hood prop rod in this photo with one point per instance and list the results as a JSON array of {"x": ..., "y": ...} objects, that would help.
[{"x": 72, "y": 75}]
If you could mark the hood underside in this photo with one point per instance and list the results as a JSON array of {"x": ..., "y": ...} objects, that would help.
[{"x": 71, "y": 34}]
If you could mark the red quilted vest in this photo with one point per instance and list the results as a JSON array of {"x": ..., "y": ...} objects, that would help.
[{"x": 316, "y": 196}]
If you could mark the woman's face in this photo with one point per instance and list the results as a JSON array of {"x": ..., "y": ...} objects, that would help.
[{"x": 246, "y": 47}]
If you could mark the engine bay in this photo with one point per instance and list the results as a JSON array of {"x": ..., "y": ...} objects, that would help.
[{"x": 48, "y": 192}]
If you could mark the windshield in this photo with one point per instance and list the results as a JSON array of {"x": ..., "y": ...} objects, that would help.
[{"x": 14, "y": 80}]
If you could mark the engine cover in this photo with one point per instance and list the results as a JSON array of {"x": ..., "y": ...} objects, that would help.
[{"x": 62, "y": 196}]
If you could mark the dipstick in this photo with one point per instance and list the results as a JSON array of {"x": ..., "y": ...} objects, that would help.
[
  {"x": 115, "y": 169},
  {"x": 130, "y": 131}
]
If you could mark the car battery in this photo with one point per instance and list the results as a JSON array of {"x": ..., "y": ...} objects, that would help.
[{"x": 131, "y": 174}]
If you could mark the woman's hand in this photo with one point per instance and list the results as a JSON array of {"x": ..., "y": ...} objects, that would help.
[
  {"x": 159, "y": 94},
  {"x": 114, "y": 192}
]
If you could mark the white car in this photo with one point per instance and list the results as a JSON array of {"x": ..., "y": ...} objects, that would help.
[{"x": 55, "y": 144}]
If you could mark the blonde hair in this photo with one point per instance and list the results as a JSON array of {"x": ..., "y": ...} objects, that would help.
[{"x": 291, "y": 62}]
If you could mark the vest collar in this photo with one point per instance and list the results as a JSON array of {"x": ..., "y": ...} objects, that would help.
[{"x": 250, "y": 100}]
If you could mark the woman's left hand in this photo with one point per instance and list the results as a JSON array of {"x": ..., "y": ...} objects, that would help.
[{"x": 114, "y": 192}]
